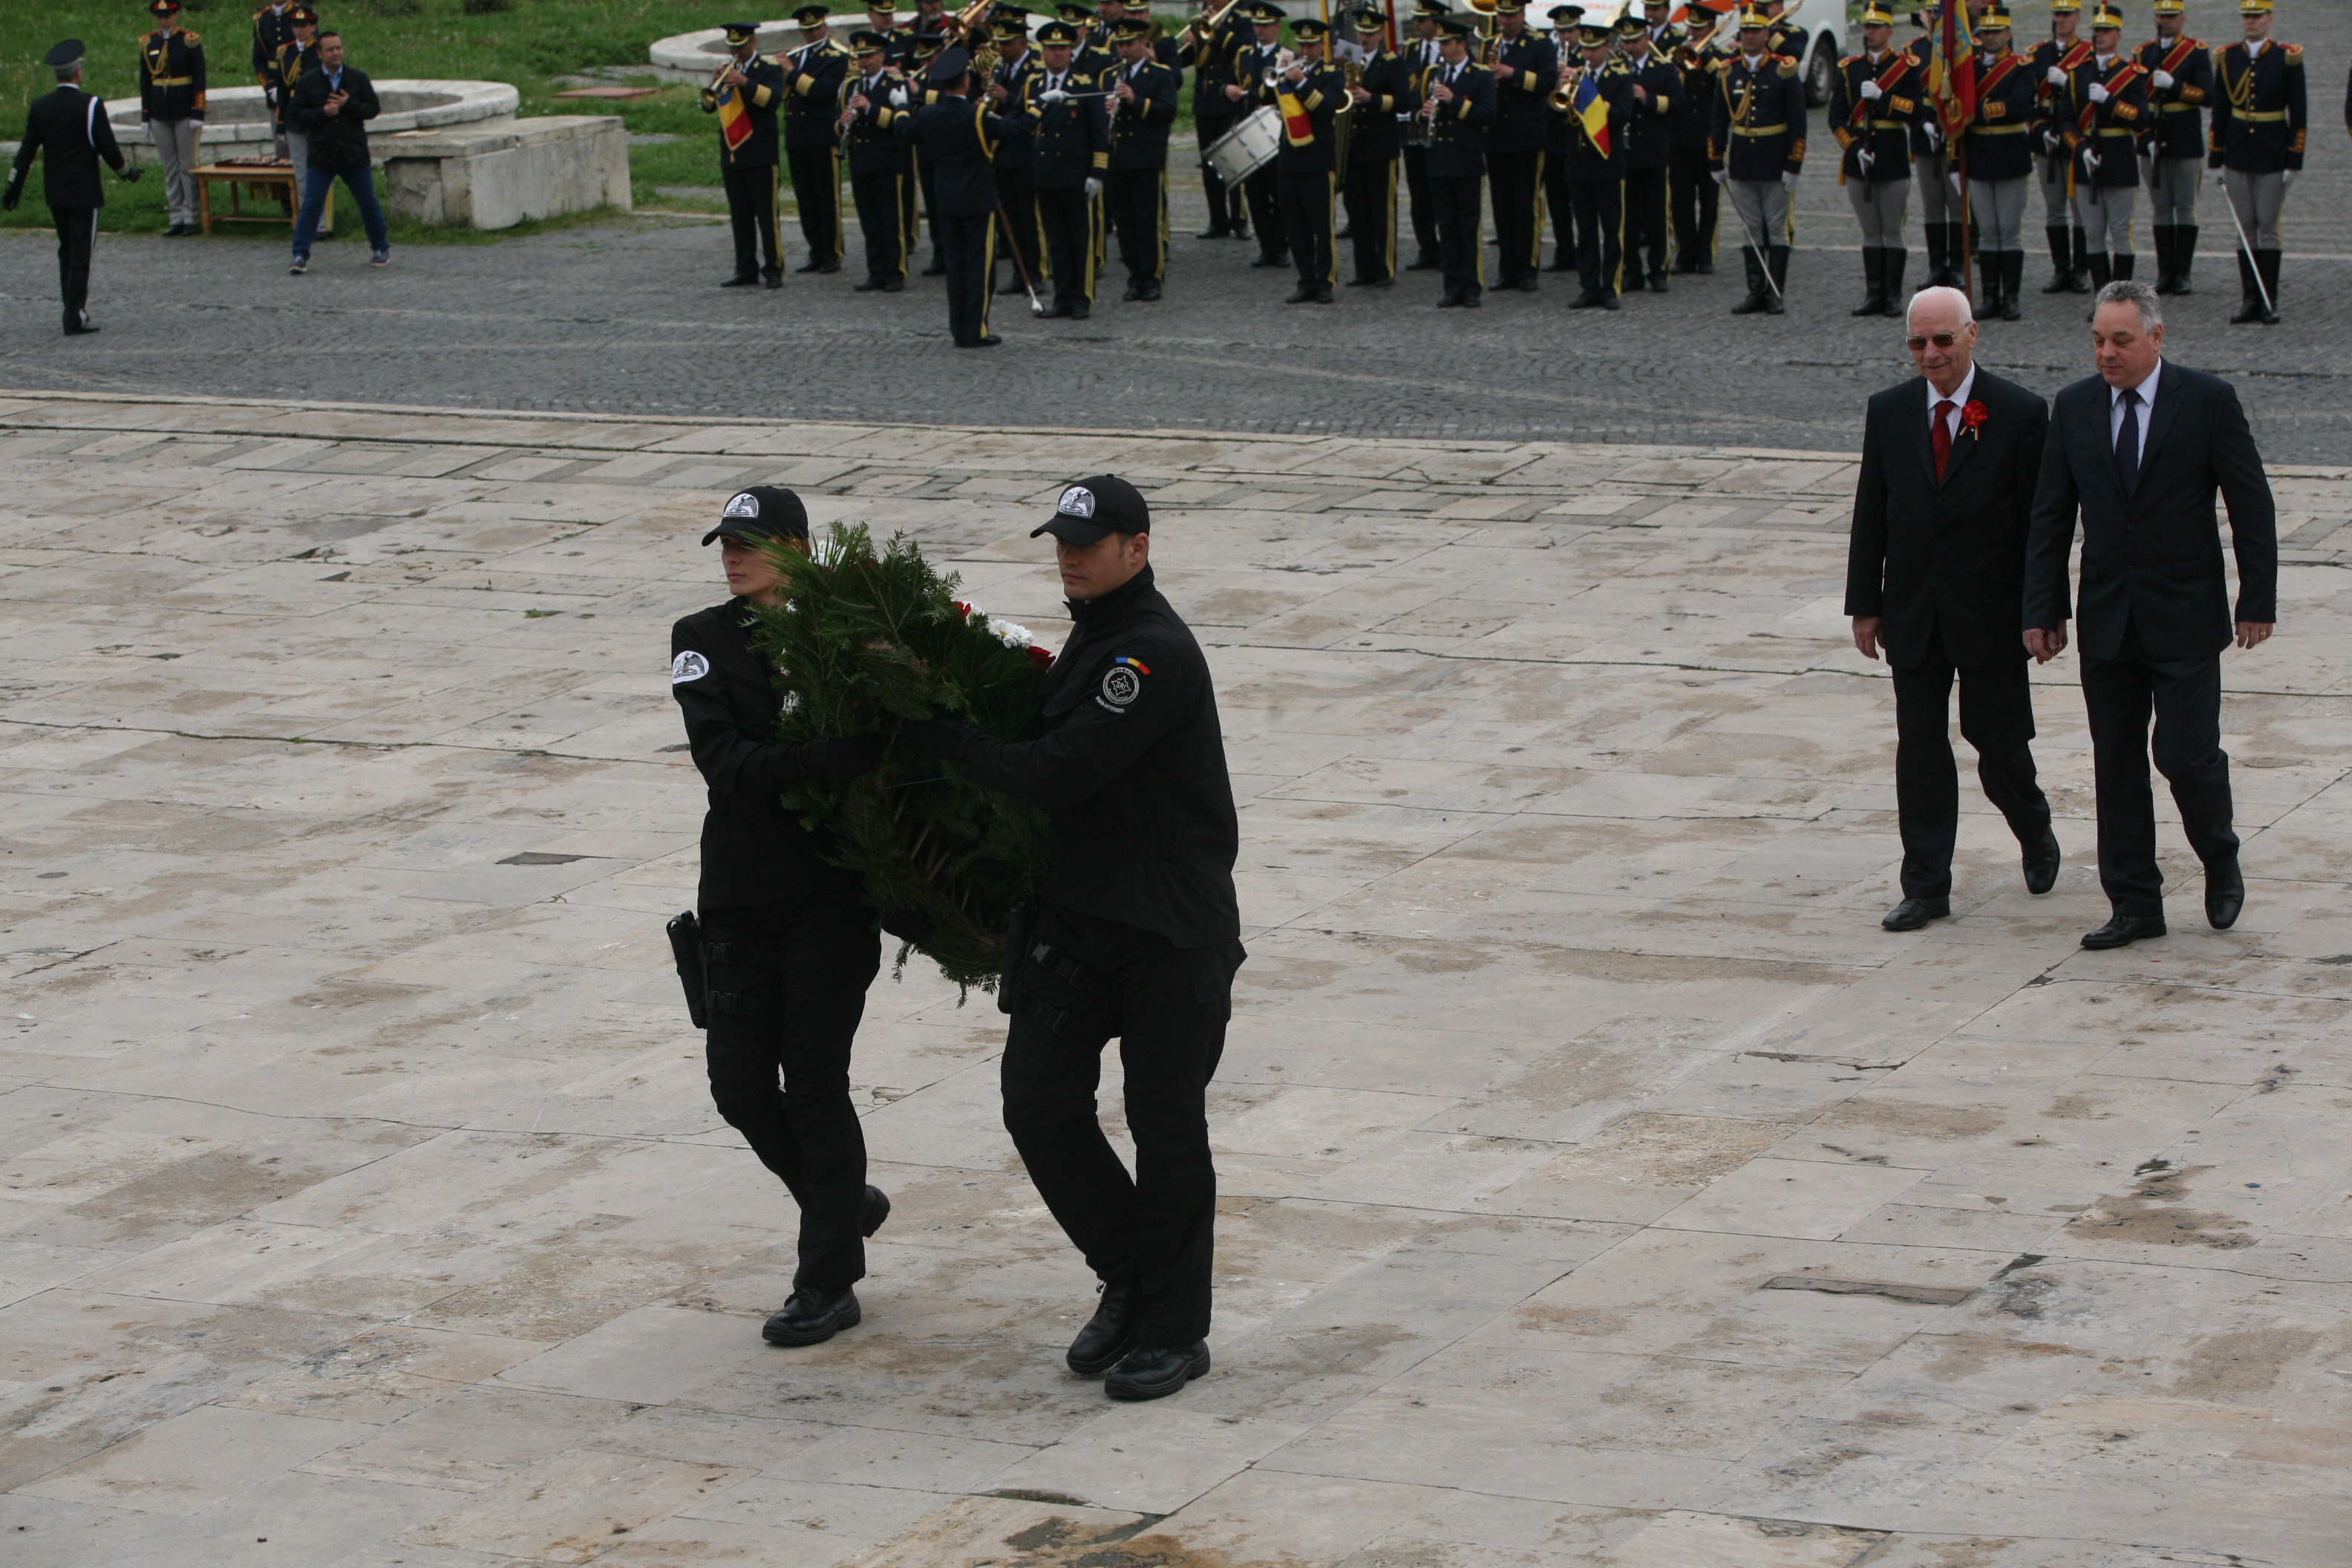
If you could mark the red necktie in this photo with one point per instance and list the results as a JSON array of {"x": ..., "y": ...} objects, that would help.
[{"x": 1940, "y": 435}]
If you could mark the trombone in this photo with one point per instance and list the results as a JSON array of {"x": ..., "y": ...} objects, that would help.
[{"x": 1206, "y": 26}]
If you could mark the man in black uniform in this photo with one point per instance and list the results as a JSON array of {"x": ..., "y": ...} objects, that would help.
[
  {"x": 273, "y": 29},
  {"x": 1601, "y": 88},
  {"x": 1307, "y": 95},
  {"x": 814, "y": 74},
  {"x": 1138, "y": 937},
  {"x": 1071, "y": 127},
  {"x": 1457, "y": 105},
  {"x": 70, "y": 125},
  {"x": 1142, "y": 107},
  {"x": 1423, "y": 54},
  {"x": 1015, "y": 176},
  {"x": 1564, "y": 21},
  {"x": 1525, "y": 68},
  {"x": 788, "y": 947},
  {"x": 1210, "y": 51},
  {"x": 745, "y": 100},
  {"x": 1382, "y": 92},
  {"x": 1649, "y": 151},
  {"x": 957, "y": 137},
  {"x": 1690, "y": 188},
  {"x": 878, "y": 96},
  {"x": 1253, "y": 67}
]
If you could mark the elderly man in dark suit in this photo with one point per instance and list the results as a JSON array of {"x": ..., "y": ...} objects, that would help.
[
  {"x": 1934, "y": 575},
  {"x": 2139, "y": 451}
]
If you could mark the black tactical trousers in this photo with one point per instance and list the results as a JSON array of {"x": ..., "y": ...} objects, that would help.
[
  {"x": 1168, "y": 1006},
  {"x": 786, "y": 988},
  {"x": 1372, "y": 196},
  {"x": 752, "y": 210}
]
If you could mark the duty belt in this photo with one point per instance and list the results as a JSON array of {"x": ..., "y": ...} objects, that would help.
[
  {"x": 2258, "y": 117},
  {"x": 2116, "y": 131},
  {"x": 2181, "y": 108},
  {"x": 1778, "y": 130},
  {"x": 1890, "y": 125}
]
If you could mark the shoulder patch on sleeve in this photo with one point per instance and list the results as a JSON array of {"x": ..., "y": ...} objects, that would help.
[{"x": 687, "y": 666}]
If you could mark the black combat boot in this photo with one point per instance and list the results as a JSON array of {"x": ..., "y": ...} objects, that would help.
[
  {"x": 2012, "y": 279},
  {"x": 2268, "y": 261},
  {"x": 2184, "y": 256},
  {"x": 2062, "y": 277},
  {"x": 1896, "y": 262},
  {"x": 2163, "y": 234},
  {"x": 1873, "y": 276},
  {"x": 1776, "y": 299},
  {"x": 1754, "y": 304}
]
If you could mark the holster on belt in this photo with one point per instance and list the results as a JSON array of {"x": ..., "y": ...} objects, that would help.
[
  {"x": 1019, "y": 935},
  {"x": 686, "y": 947}
]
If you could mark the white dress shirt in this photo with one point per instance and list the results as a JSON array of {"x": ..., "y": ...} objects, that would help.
[
  {"x": 2147, "y": 390},
  {"x": 1960, "y": 400}
]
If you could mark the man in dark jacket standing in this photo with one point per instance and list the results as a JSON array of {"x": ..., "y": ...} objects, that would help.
[
  {"x": 1142, "y": 104},
  {"x": 788, "y": 948},
  {"x": 71, "y": 126},
  {"x": 1935, "y": 575},
  {"x": 2139, "y": 451},
  {"x": 333, "y": 104},
  {"x": 956, "y": 138},
  {"x": 1457, "y": 105},
  {"x": 1382, "y": 93},
  {"x": 1138, "y": 938}
]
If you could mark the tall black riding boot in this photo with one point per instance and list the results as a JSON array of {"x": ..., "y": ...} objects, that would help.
[
  {"x": 2250, "y": 301},
  {"x": 2268, "y": 260},
  {"x": 2184, "y": 256},
  {"x": 1894, "y": 261},
  {"x": 1873, "y": 276},
  {"x": 1935, "y": 233},
  {"x": 2096, "y": 262},
  {"x": 1776, "y": 299},
  {"x": 2062, "y": 262},
  {"x": 2012, "y": 279},
  {"x": 2083, "y": 284},
  {"x": 1754, "y": 303},
  {"x": 2121, "y": 267}
]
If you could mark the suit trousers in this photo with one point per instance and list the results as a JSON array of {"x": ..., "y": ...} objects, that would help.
[
  {"x": 1372, "y": 196},
  {"x": 880, "y": 209},
  {"x": 1016, "y": 188},
  {"x": 751, "y": 210},
  {"x": 1600, "y": 232},
  {"x": 1135, "y": 202},
  {"x": 1264, "y": 193},
  {"x": 77, "y": 239},
  {"x": 1997, "y": 719},
  {"x": 1423, "y": 207},
  {"x": 968, "y": 247},
  {"x": 1224, "y": 205},
  {"x": 1695, "y": 197},
  {"x": 816, "y": 191},
  {"x": 1516, "y": 180},
  {"x": 1168, "y": 1006},
  {"x": 2184, "y": 696},
  {"x": 1645, "y": 220},
  {"x": 787, "y": 986},
  {"x": 1456, "y": 201},
  {"x": 1066, "y": 225},
  {"x": 1307, "y": 222},
  {"x": 175, "y": 143}
]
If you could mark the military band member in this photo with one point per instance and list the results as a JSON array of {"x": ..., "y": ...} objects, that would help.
[
  {"x": 813, "y": 76},
  {"x": 273, "y": 29},
  {"x": 746, "y": 98},
  {"x": 1562, "y": 210},
  {"x": 1756, "y": 149},
  {"x": 1599, "y": 88},
  {"x": 1942, "y": 232},
  {"x": 1016, "y": 238},
  {"x": 1072, "y": 137},
  {"x": 171, "y": 108},
  {"x": 2105, "y": 106},
  {"x": 2260, "y": 127},
  {"x": 877, "y": 97},
  {"x": 1307, "y": 93},
  {"x": 1255, "y": 65},
  {"x": 1457, "y": 104},
  {"x": 958, "y": 135},
  {"x": 67, "y": 130},
  {"x": 883, "y": 19},
  {"x": 1143, "y": 101},
  {"x": 1875, "y": 98},
  {"x": 1690, "y": 187},
  {"x": 1383, "y": 93},
  {"x": 923, "y": 50},
  {"x": 1111, "y": 13},
  {"x": 293, "y": 59},
  {"x": 2180, "y": 83},
  {"x": 1998, "y": 151},
  {"x": 1209, "y": 53},
  {"x": 1525, "y": 68},
  {"x": 1649, "y": 151},
  {"x": 1094, "y": 55},
  {"x": 2053, "y": 63},
  {"x": 1423, "y": 55}
]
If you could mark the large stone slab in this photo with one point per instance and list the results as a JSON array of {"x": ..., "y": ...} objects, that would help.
[{"x": 498, "y": 176}]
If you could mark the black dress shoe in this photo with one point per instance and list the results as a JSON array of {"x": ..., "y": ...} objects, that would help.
[
  {"x": 1213, "y": 234},
  {"x": 1912, "y": 914},
  {"x": 1471, "y": 301},
  {"x": 1148, "y": 1374},
  {"x": 894, "y": 286},
  {"x": 1323, "y": 295},
  {"x": 2225, "y": 895},
  {"x": 1055, "y": 312},
  {"x": 1705, "y": 267},
  {"x": 1683, "y": 267},
  {"x": 1421, "y": 264},
  {"x": 1452, "y": 301},
  {"x": 1658, "y": 283},
  {"x": 742, "y": 280},
  {"x": 872, "y": 1210},
  {"x": 1529, "y": 285},
  {"x": 1151, "y": 293},
  {"x": 1608, "y": 300},
  {"x": 1108, "y": 1335},
  {"x": 1134, "y": 292},
  {"x": 937, "y": 269},
  {"x": 833, "y": 266},
  {"x": 1359, "y": 282},
  {"x": 2123, "y": 931},
  {"x": 989, "y": 341},
  {"x": 812, "y": 1317},
  {"x": 2041, "y": 860},
  {"x": 811, "y": 265},
  {"x": 81, "y": 330},
  {"x": 772, "y": 279},
  {"x": 872, "y": 285},
  {"x": 1302, "y": 295},
  {"x": 1565, "y": 264},
  {"x": 1015, "y": 287},
  {"x": 1266, "y": 259},
  {"x": 1589, "y": 300},
  {"x": 1080, "y": 312}
]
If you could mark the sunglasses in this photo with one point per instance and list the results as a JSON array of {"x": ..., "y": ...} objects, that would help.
[{"x": 1941, "y": 339}]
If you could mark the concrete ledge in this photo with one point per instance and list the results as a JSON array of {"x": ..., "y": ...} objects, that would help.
[
  {"x": 495, "y": 175},
  {"x": 237, "y": 118}
]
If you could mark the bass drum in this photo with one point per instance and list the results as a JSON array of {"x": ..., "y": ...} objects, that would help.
[{"x": 1247, "y": 147}]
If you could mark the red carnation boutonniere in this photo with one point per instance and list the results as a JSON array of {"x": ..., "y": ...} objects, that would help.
[{"x": 1973, "y": 414}]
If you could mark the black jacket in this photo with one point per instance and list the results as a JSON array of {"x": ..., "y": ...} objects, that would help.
[
  {"x": 338, "y": 141},
  {"x": 1373, "y": 132},
  {"x": 1072, "y": 138},
  {"x": 172, "y": 75},
  {"x": 813, "y": 75},
  {"x": 1132, "y": 773},
  {"x": 1946, "y": 559},
  {"x": 1457, "y": 132},
  {"x": 2000, "y": 138},
  {"x": 761, "y": 96},
  {"x": 1319, "y": 92},
  {"x": 1523, "y": 100},
  {"x": 1138, "y": 131},
  {"x": 2154, "y": 561},
  {"x": 1881, "y": 127},
  {"x": 1755, "y": 125},
  {"x": 874, "y": 147},
  {"x": 754, "y": 851},
  {"x": 1580, "y": 158},
  {"x": 2178, "y": 130},
  {"x": 1650, "y": 126},
  {"x": 1016, "y": 152},
  {"x": 957, "y": 140},
  {"x": 71, "y": 126}
]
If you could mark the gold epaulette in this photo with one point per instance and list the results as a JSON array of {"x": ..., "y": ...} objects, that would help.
[
  {"x": 1788, "y": 66},
  {"x": 194, "y": 42},
  {"x": 2293, "y": 51},
  {"x": 1847, "y": 61}
]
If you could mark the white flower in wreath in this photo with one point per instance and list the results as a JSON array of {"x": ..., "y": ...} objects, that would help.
[{"x": 1010, "y": 634}]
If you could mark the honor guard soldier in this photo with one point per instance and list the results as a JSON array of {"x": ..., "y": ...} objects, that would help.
[
  {"x": 1649, "y": 149},
  {"x": 71, "y": 126},
  {"x": 878, "y": 97},
  {"x": 2258, "y": 128},
  {"x": 1138, "y": 937},
  {"x": 1562, "y": 211},
  {"x": 1875, "y": 98},
  {"x": 2000, "y": 157},
  {"x": 1382, "y": 96},
  {"x": 1526, "y": 70},
  {"x": 1596, "y": 97},
  {"x": 293, "y": 59},
  {"x": 1143, "y": 102},
  {"x": 2054, "y": 65},
  {"x": 2105, "y": 106},
  {"x": 1307, "y": 93},
  {"x": 1423, "y": 55},
  {"x": 273, "y": 29},
  {"x": 1931, "y": 165},
  {"x": 1209, "y": 52},
  {"x": 1691, "y": 189},
  {"x": 957, "y": 135},
  {"x": 2181, "y": 84},
  {"x": 745, "y": 97},
  {"x": 1255, "y": 65},
  {"x": 172, "y": 108},
  {"x": 812, "y": 77},
  {"x": 784, "y": 945},
  {"x": 1015, "y": 178},
  {"x": 1457, "y": 105},
  {"x": 1070, "y": 125},
  {"x": 1756, "y": 148}
]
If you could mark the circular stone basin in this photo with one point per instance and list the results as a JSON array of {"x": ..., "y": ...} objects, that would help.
[{"x": 237, "y": 118}]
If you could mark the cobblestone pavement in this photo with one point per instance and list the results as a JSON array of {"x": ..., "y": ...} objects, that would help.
[
  {"x": 625, "y": 319},
  {"x": 1603, "y": 1187}
]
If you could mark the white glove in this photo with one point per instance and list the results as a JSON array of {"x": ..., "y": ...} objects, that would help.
[
  {"x": 1934, "y": 130},
  {"x": 2286, "y": 177},
  {"x": 2091, "y": 160},
  {"x": 196, "y": 120},
  {"x": 1094, "y": 188},
  {"x": 1788, "y": 179},
  {"x": 2163, "y": 80},
  {"x": 1866, "y": 158},
  {"x": 2099, "y": 93},
  {"x": 1872, "y": 91},
  {"x": 1722, "y": 175},
  {"x": 2057, "y": 77},
  {"x": 898, "y": 97},
  {"x": 1053, "y": 95}
]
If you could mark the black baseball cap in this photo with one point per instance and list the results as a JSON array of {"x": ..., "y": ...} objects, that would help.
[
  {"x": 1091, "y": 509},
  {"x": 763, "y": 512}
]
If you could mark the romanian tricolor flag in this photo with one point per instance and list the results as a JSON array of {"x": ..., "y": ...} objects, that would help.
[
  {"x": 1593, "y": 110},
  {"x": 1952, "y": 69},
  {"x": 734, "y": 120},
  {"x": 1298, "y": 125}
]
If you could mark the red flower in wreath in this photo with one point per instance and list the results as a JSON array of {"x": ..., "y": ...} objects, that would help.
[
  {"x": 1042, "y": 658},
  {"x": 1974, "y": 414}
]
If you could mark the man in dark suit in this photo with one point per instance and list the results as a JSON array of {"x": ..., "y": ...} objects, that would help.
[
  {"x": 71, "y": 126},
  {"x": 879, "y": 97},
  {"x": 1934, "y": 577},
  {"x": 2140, "y": 449},
  {"x": 957, "y": 138}
]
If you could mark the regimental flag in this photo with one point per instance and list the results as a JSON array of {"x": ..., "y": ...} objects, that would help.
[
  {"x": 1952, "y": 69},
  {"x": 1593, "y": 110},
  {"x": 734, "y": 120},
  {"x": 1298, "y": 125}
]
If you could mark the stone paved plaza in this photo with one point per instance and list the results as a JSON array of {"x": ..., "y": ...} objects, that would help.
[{"x": 1601, "y": 1186}]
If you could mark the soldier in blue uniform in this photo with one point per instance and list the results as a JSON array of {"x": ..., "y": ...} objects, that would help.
[
  {"x": 1209, "y": 53},
  {"x": 1594, "y": 170},
  {"x": 2105, "y": 108},
  {"x": 1525, "y": 68},
  {"x": 1069, "y": 126},
  {"x": 2260, "y": 127},
  {"x": 1135, "y": 197},
  {"x": 748, "y": 169},
  {"x": 172, "y": 108},
  {"x": 2180, "y": 83},
  {"x": 70, "y": 127},
  {"x": 2054, "y": 61},
  {"x": 957, "y": 136},
  {"x": 1307, "y": 162},
  {"x": 1015, "y": 173},
  {"x": 1998, "y": 147},
  {"x": 879, "y": 97},
  {"x": 1457, "y": 105},
  {"x": 1383, "y": 91},
  {"x": 1756, "y": 149},
  {"x": 1649, "y": 151},
  {"x": 1875, "y": 98}
]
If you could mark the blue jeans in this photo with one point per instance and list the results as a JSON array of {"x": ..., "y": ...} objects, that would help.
[{"x": 316, "y": 184}]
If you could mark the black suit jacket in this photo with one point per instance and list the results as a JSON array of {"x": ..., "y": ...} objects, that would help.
[
  {"x": 71, "y": 126},
  {"x": 338, "y": 141},
  {"x": 957, "y": 139},
  {"x": 2153, "y": 562},
  {"x": 1457, "y": 132},
  {"x": 1946, "y": 559}
]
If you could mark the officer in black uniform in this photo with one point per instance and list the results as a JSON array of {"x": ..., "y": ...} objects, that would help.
[
  {"x": 1562, "y": 210},
  {"x": 1254, "y": 65},
  {"x": 1595, "y": 171},
  {"x": 1308, "y": 158},
  {"x": 1093, "y": 54},
  {"x": 747, "y": 167},
  {"x": 1423, "y": 53},
  {"x": 1457, "y": 105},
  {"x": 789, "y": 947},
  {"x": 1649, "y": 151},
  {"x": 273, "y": 29},
  {"x": 814, "y": 74},
  {"x": 1070, "y": 124},
  {"x": 878, "y": 96},
  {"x": 1209, "y": 52},
  {"x": 1525, "y": 68},
  {"x": 1143, "y": 101},
  {"x": 1382, "y": 92},
  {"x": 957, "y": 137},
  {"x": 294, "y": 59},
  {"x": 1689, "y": 187},
  {"x": 76, "y": 137},
  {"x": 1138, "y": 937},
  {"x": 172, "y": 110},
  {"x": 1016, "y": 238}
]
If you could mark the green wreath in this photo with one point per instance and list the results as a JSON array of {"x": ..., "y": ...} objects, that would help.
[{"x": 861, "y": 642}]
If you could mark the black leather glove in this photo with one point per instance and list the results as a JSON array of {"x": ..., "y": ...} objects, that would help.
[
  {"x": 942, "y": 735},
  {"x": 8, "y": 197},
  {"x": 831, "y": 762},
  {"x": 131, "y": 172}
]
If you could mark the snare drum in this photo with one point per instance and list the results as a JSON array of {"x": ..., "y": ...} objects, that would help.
[{"x": 1248, "y": 146}]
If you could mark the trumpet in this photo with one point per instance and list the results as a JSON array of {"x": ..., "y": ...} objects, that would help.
[{"x": 1563, "y": 97}]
